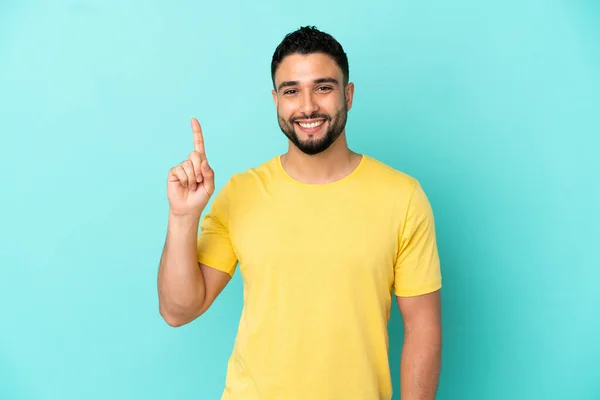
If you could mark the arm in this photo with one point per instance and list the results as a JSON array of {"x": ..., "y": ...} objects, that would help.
[
  {"x": 186, "y": 289},
  {"x": 421, "y": 351}
]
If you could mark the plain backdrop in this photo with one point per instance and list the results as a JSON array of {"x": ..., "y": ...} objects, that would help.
[{"x": 494, "y": 106}]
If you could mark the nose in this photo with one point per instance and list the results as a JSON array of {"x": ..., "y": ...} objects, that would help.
[{"x": 308, "y": 105}]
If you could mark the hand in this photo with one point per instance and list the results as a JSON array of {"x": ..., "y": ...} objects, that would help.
[{"x": 191, "y": 183}]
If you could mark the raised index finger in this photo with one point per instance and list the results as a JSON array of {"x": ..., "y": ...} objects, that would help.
[{"x": 198, "y": 138}]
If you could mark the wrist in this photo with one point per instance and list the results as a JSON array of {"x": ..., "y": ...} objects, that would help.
[{"x": 184, "y": 219}]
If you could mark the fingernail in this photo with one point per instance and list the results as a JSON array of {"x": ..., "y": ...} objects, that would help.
[{"x": 199, "y": 178}]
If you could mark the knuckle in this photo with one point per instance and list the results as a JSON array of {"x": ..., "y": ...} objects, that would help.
[{"x": 196, "y": 161}]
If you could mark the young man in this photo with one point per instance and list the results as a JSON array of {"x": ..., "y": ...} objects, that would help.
[{"x": 324, "y": 238}]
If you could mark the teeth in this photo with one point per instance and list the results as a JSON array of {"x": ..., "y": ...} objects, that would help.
[{"x": 311, "y": 125}]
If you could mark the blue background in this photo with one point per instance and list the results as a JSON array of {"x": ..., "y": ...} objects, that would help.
[{"x": 493, "y": 106}]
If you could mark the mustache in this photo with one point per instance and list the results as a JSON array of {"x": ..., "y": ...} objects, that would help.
[{"x": 312, "y": 116}]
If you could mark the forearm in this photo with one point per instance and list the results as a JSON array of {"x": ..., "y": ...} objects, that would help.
[
  {"x": 180, "y": 283},
  {"x": 420, "y": 364}
]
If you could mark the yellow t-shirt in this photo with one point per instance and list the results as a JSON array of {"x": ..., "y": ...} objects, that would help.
[{"x": 319, "y": 265}]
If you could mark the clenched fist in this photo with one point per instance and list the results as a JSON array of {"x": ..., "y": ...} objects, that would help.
[{"x": 191, "y": 183}]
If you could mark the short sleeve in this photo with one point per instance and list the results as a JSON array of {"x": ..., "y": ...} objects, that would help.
[
  {"x": 417, "y": 269},
  {"x": 214, "y": 245}
]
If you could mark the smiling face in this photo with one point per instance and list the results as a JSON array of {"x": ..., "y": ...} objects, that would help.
[{"x": 311, "y": 100}]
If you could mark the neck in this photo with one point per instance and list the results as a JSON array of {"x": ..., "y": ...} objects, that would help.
[{"x": 328, "y": 166}]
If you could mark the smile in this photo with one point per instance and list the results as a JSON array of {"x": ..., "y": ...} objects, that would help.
[{"x": 310, "y": 125}]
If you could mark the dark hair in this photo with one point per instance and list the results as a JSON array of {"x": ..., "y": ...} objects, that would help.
[{"x": 309, "y": 40}]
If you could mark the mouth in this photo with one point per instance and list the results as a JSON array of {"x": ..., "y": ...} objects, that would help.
[{"x": 310, "y": 126}]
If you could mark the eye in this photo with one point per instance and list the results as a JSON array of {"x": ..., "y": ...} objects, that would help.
[
  {"x": 324, "y": 89},
  {"x": 290, "y": 91}
]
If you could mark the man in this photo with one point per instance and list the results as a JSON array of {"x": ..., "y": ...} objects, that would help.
[{"x": 323, "y": 236}]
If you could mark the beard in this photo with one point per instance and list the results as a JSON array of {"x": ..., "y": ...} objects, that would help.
[{"x": 335, "y": 127}]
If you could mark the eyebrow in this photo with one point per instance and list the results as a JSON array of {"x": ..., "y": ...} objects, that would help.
[{"x": 316, "y": 82}]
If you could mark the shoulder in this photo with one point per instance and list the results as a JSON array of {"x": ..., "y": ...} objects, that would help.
[
  {"x": 252, "y": 178},
  {"x": 399, "y": 191},
  {"x": 395, "y": 188},
  {"x": 385, "y": 177}
]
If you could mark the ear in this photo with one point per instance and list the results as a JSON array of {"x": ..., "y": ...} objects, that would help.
[
  {"x": 349, "y": 92},
  {"x": 275, "y": 98}
]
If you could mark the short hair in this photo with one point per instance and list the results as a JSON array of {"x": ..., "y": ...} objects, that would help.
[{"x": 310, "y": 40}]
